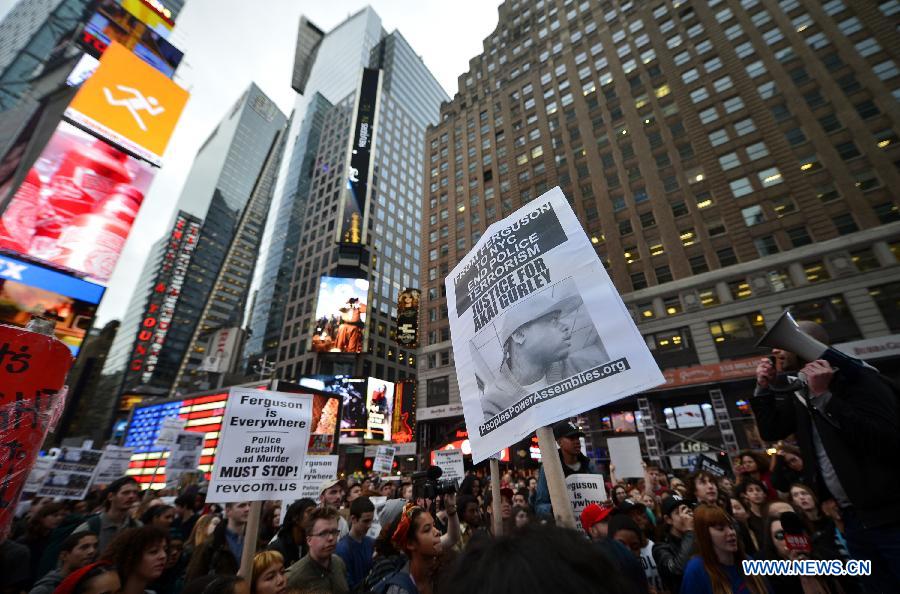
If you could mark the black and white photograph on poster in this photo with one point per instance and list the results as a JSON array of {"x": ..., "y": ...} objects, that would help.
[
  {"x": 538, "y": 327},
  {"x": 184, "y": 456},
  {"x": 113, "y": 464},
  {"x": 262, "y": 445},
  {"x": 71, "y": 473}
]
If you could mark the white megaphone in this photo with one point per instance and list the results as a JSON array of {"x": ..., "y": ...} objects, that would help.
[{"x": 786, "y": 335}]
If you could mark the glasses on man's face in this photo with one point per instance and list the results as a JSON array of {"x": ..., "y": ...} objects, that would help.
[{"x": 328, "y": 533}]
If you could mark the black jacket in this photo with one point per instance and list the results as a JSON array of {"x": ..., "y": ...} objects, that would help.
[
  {"x": 213, "y": 556},
  {"x": 290, "y": 550},
  {"x": 860, "y": 430},
  {"x": 671, "y": 556}
]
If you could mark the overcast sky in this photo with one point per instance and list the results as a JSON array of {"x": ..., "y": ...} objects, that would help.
[{"x": 229, "y": 43}]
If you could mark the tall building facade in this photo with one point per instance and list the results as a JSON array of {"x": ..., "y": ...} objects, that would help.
[
  {"x": 726, "y": 163},
  {"x": 326, "y": 70},
  {"x": 380, "y": 246}
]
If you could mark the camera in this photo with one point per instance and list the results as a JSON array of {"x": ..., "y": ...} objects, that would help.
[{"x": 427, "y": 484}]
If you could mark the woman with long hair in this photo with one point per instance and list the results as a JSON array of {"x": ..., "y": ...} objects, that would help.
[
  {"x": 268, "y": 573},
  {"x": 202, "y": 532},
  {"x": 741, "y": 514},
  {"x": 140, "y": 556},
  {"x": 757, "y": 466},
  {"x": 290, "y": 540},
  {"x": 717, "y": 569},
  {"x": 419, "y": 539},
  {"x": 788, "y": 468},
  {"x": 775, "y": 548},
  {"x": 825, "y": 534}
]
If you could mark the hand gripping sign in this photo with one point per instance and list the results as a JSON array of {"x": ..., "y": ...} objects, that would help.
[
  {"x": 539, "y": 332},
  {"x": 33, "y": 368}
]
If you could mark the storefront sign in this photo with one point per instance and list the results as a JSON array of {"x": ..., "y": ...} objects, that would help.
[
  {"x": 707, "y": 374},
  {"x": 872, "y": 348}
]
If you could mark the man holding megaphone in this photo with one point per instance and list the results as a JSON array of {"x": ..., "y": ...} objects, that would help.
[{"x": 846, "y": 420}]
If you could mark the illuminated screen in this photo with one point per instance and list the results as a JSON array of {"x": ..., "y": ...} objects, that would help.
[
  {"x": 352, "y": 392},
  {"x": 379, "y": 409},
  {"x": 404, "y": 423},
  {"x": 28, "y": 289},
  {"x": 340, "y": 315},
  {"x": 77, "y": 204},
  {"x": 111, "y": 22}
]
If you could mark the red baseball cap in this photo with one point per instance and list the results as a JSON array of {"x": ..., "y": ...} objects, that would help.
[{"x": 594, "y": 513}]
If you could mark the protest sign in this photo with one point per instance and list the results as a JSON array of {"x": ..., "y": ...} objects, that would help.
[
  {"x": 70, "y": 475},
  {"x": 625, "y": 455},
  {"x": 184, "y": 456},
  {"x": 113, "y": 464},
  {"x": 384, "y": 460},
  {"x": 38, "y": 473},
  {"x": 585, "y": 489},
  {"x": 375, "y": 528},
  {"x": 711, "y": 466},
  {"x": 539, "y": 332},
  {"x": 168, "y": 431},
  {"x": 262, "y": 445},
  {"x": 317, "y": 470},
  {"x": 450, "y": 462}
]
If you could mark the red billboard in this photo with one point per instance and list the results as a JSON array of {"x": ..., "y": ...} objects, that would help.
[{"x": 77, "y": 204}]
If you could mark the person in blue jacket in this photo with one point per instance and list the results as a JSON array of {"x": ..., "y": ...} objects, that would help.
[{"x": 573, "y": 461}]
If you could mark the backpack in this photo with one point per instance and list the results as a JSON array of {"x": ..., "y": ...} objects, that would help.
[{"x": 400, "y": 579}]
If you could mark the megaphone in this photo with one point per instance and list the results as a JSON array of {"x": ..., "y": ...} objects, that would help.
[{"x": 786, "y": 335}]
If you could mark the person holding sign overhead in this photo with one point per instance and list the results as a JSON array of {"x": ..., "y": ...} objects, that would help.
[
  {"x": 573, "y": 461},
  {"x": 537, "y": 345}
]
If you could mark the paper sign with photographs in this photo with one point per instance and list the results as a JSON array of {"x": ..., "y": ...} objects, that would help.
[
  {"x": 70, "y": 475},
  {"x": 539, "y": 332}
]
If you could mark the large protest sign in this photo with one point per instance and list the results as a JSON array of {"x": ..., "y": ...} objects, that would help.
[
  {"x": 317, "y": 470},
  {"x": 168, "y": 432},
  {"x": 384, "y": 460},
  {"x": 113, "y": 464},
  {"x": 625, "y": 455},
  {"x": 38, "y": 473},
  {"x": 585, "y": 489},
  {"x": 539, "y": 332},
  {"x": 184, "y": 456},
  {"x": 451, "y": 463},
  {"x": 71, "y": 474},
  {"x": 262, "y": 445}
]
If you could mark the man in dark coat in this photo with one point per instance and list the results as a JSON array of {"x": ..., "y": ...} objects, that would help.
[
  {"x": 848, "y": 427},
  {"x": 222, "y": 553}
]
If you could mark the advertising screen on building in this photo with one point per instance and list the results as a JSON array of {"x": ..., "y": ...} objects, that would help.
[
  {"x": 408, "y": 319},
  {"x": 161, "y": 304},
  {"x": 352, "y": 228},
  {"x": 112, "y": 22},
  {"x": 129, "y": 103},
  {"x": 340, "y": 315},
  {"x": 352, "y": 392},
  {"x": 77, "y": 204},
  {"x": 379, "y": 409},
  {"x": 403, "y": 426},
  {"x": 153, "y": 13},
  {"x": 27, "y": 290}
]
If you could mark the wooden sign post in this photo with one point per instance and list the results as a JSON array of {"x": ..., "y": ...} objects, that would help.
[
  {"x": 556, "y": 480},
  {"x": 495, "y": 498},
  {"x": 251, "y": 535}
]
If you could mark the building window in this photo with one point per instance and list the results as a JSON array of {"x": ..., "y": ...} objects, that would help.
[
  {"x": 847, "y": 150},
  {"x": 832, "y": 314},
  {"x": 780, "y": 279},
  {"x": 672, "y": 348},
  {"x": 799, "y": 236},
  {"x": 887, "y": 212},
  {"x": 740, "y": 187},
  {"x": 726, "y": 257},
  {"x": 737, "y": 337},
  {"x": 672, "y": 306},
  {"x": 815, "y": 271},
  {"x": 708, "y": 297},
  {"x": 740, "y": 289},
  {"x": 663, "y": 274},
  {"x": 438, "y": 391},
  {"x": 887, "y": 298},
  {"x": 865, "y": 260},
  {"x": 698, "y": 264},
  {"x": 753, "y": 215},
  {"x": 638, "y": 281},
  {"x": 766, "y": 245},
  {"x": 845, "y": 224},
  {"x": 646, "y": 311}
]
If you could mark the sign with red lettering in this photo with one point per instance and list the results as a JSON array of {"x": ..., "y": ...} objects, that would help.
[{"x": 33, "y": 369}]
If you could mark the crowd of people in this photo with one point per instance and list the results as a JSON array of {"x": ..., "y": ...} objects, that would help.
[{"x": 832, "y": 494}]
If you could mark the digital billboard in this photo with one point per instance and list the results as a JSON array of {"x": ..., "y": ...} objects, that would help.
[
  {"x": 129, "y": 103},
  {"x": 352, "y": 227},
  {"x": 408, "y": 319},
  {"x": 379, "y": 409},
  {"x": 160, "y": 307},
  {"x": 27, "y": 289},
  {"x": 151, "y": 12},
  {"x": 352, "y": 392},
  {"x": 112, "y": 22},
  {"x": 403, "y": 425},
  {"x": 340, "y": 315},
  {"x": 77, "y": 204}
]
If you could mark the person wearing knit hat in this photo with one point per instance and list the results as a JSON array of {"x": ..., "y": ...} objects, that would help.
[
  {"x": 677, "y": 547},
  {"x": 97, "y": 578},
  {"x": 595, "y": 520}
]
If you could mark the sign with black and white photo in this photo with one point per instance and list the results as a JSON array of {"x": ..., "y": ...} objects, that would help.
[
  {"x": 70, "y": 475},
  {"x": 262, "y": 445},
  {"x": 539, "y": 332},
  {"x": 113, "y": 464},
  {"x": 184, "y": 456},
  {"x": 384, "y": 460}
]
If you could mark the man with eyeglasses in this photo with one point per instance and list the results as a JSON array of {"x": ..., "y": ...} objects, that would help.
[{"x": 320, "y": 570}]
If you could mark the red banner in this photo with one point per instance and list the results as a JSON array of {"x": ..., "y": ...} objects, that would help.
[
  {"x": 706, "y": 374},
  {"x": 33, "y": 369}
]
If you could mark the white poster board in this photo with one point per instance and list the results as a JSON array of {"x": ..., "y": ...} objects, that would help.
[
  {"x": 184, "y": 456},
  {"x": 317, "y": 470},
  {"x": 375, "y": 528},
  {"x": 451, "y": 463},
  {"x": 113, "y": 464},
  {"x": 38, "y": 473},
  {"x": 70, "y": 475},
  {"x": 384, "y": 460},
  {"x": 625, "y": 455},
  {"x": 262, "y": 445},
  {"x": 539, "y": 332},
  {"x": 585, "y": 489},
  {"x": 168, "y": 431}
]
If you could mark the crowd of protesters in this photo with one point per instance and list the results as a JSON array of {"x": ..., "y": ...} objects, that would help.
[{"x": 828, "y": 490}]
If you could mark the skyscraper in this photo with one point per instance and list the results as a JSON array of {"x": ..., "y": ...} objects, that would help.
[
  {"x": 360, "y": 227},
  {"x": 726, "y": 163}
]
